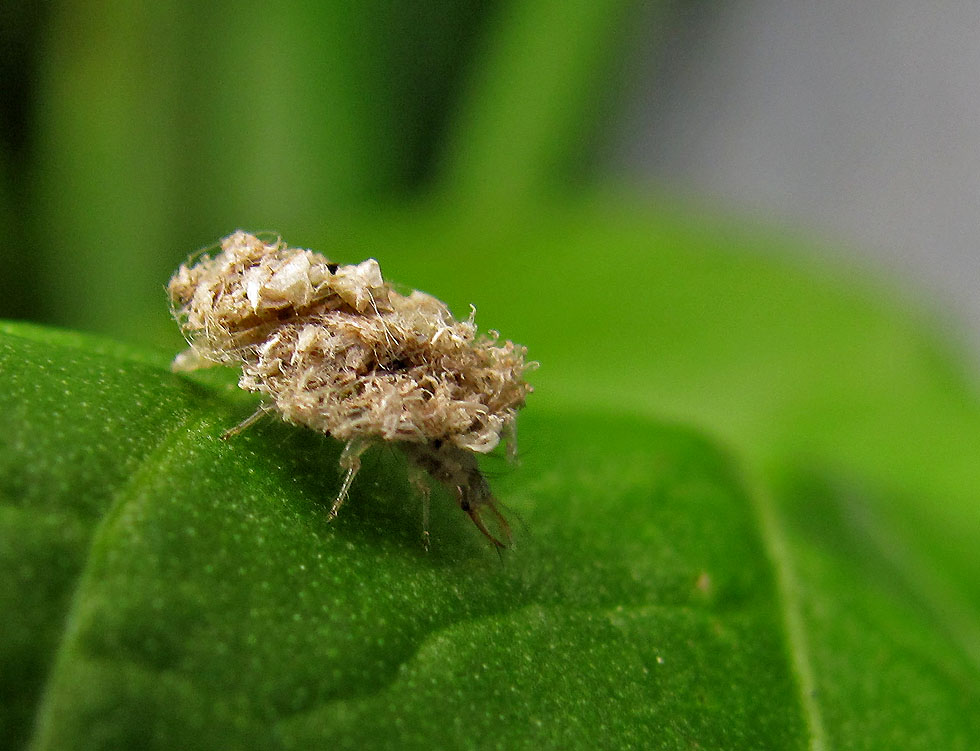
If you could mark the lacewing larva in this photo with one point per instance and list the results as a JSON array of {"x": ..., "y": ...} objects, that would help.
[{"x": 335, "y": 348}]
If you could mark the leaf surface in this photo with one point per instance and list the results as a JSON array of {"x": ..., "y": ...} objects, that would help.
[
  {"x": 170, "y": 589},
  {"x": 821, "y": 381}
]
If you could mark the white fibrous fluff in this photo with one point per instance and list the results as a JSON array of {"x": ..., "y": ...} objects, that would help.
[{"x": 335, "y": 348}]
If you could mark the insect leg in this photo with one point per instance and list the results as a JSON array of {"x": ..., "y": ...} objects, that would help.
[
  {"x": 510, "y": 440},
  {"x": 350, "y": 459},
  {"x": 417, "y": 476},
  {"x": 246, "y": 423}
]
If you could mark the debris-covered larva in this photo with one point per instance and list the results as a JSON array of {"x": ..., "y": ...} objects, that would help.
[{"x": 336, "y": 349}]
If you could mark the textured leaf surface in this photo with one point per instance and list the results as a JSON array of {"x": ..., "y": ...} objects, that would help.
[
  {"x": 857, "y": 425},
  {"x": 169, "y": 589}
]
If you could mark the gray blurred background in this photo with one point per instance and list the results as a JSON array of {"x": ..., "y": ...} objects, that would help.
[{"x": 857, "y": 121}]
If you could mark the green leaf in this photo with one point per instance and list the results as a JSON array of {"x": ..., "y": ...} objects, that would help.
[
  {"x": 530, "y": 104},
  {"x": 855, "y": 422},
  {"x": 168, "y": 589}
]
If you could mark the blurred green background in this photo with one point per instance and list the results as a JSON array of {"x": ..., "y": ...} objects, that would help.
[{"x": 135, "y": 133}]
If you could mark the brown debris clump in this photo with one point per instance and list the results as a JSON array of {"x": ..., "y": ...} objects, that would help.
[{"x": 335, "y": 348}]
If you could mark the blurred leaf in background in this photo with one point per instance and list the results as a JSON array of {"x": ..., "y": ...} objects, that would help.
[
  {"x": 161, "y": 127},
  {"x": 21, "y": 28},
  {"x": 448, "y": 140},
  {"x": 141, "y": 133}
]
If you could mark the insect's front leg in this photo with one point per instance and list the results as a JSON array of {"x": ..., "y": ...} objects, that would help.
[
  {"x": 246, "y": 423},
  {"x": 419, "y": 479}
]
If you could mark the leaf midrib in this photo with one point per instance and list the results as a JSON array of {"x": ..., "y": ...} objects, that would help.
[{"x": 772, "y": 533}]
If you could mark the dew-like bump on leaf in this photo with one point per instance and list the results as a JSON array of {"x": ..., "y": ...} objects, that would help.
[{"x": 166, "y": 589}]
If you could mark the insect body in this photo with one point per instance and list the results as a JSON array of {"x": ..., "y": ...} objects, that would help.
[{"x": 335, "y": 348}]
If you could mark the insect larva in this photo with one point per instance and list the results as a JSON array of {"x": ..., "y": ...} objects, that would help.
[{"x": 335, "y": 348}]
